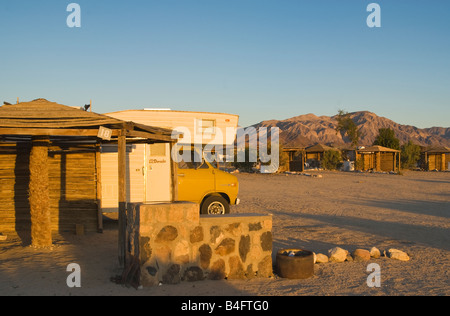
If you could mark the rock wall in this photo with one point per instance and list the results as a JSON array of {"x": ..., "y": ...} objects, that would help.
[{"x": 171, "y": 243}]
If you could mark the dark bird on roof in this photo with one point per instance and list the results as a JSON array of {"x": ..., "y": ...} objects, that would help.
[
  {"x": 6, "y": 103},
  {"x": 86, "y": 107}
]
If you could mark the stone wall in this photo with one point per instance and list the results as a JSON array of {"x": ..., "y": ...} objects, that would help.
[{"x": 173, "y": 243}]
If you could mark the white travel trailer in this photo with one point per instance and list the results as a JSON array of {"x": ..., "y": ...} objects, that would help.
[{"x": 149, "y": 165}]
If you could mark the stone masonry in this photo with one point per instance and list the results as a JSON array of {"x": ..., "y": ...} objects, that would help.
[{"x": 173, "y": 243}]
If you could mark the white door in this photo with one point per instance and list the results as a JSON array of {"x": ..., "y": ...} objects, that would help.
[
  {"x": 109, "y": 176},
  {"x": 158, "y": 178}
]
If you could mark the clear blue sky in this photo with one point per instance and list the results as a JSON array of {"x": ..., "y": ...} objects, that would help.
[{"x": 260, "y": 59}]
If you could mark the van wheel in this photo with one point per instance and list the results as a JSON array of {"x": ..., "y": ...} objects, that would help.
[{"x": 215, "y": 205}]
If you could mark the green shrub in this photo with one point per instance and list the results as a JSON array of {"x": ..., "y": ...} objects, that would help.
[{"x": 331, "y": 160}]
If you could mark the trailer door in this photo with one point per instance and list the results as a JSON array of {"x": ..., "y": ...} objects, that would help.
[
  {"x": 158, "y": 173},
  {"x": 109, "y": 176}
]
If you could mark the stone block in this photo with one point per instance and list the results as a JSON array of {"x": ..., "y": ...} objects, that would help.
[
  {"x": 244, "y": 247},
  {"x": 167, "y": 234},
  {"x": 265, "y": 269},
  {"x": 172, "y": 275},
  {"x": 226, "y": 247},
  {"x": 196, "y": 234},
  {"x": 266, "y": 241},
  {"x": 236, "y": 268},
  {"x": 193, "y": 274},
  {"x": 217, "y": 271}
]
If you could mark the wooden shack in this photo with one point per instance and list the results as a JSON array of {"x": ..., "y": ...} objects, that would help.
[
  {"x": 314, "y": 154},
  {"x": 436, "y": 158},
  {"x": 297, "y": 158},
  {"x": 378, "y": 158},
  {"x": 49, "y": 167}
]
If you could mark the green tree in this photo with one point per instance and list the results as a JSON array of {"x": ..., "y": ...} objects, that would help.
[
  {"x": 331, "y": 160},
  {"x": 347, "y": 127},
  {"x": 386, "y": 138},
  {"x": 410, "y": 155}
]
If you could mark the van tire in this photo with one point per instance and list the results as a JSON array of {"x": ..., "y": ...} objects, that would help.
[{"x": 215, "y": 205}]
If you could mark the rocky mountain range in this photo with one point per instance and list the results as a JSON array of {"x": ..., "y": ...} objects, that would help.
[{"x": 309, "y": 129}]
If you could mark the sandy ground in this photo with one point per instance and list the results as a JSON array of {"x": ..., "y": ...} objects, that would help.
[{"x": 349, "y": 210}]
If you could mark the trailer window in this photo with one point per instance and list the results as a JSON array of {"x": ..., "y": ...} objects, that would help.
[{"x": 207, "y": 127}]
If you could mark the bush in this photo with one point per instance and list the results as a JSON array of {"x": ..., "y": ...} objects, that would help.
[
  {"x": 331, "y": 160},
  {"x": 410, "y": 155}
]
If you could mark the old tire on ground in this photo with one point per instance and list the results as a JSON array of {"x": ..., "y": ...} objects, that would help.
[
  {"x": 299, "y": 266},
  {"x": 215, "y": 205}
]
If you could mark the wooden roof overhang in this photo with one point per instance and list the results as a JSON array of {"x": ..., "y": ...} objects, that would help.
[
  {"x": 437, "y": 150},
  {"x": 293, "y": 149},
  {"x": 43, "y": 118},
  {"x": 319, "y": 148},
  {"x": 377, "y": 148}
]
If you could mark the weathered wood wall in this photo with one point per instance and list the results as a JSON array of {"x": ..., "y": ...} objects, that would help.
[
  {"x": 72, "y": 182},
  {"x": 437, "y": 161},
  {"x": 388, "y": 162},
  {"x": 378, "y": 161}
]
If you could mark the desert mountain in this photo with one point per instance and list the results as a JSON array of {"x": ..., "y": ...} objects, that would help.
[{"x": 309, "y": 129}]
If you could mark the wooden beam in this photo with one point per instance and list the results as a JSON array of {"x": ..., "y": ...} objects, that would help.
[
  {"x": 80, "y": 132},
  {"x": 122, "y": 194},
  {"x": 52, "y": 132},
  {"x": 149, "y": 136}
]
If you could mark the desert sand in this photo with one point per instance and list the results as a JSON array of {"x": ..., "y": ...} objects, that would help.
[{"x": 410, "y": 212}]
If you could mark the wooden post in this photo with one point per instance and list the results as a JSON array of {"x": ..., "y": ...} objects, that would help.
[
  {"x": 303, "y": 160},
  {"x": 174, "y": 172},
  {"x": 39, "y": 197},
  {"x": 98, "y": 165},
  {"x": 443, "y": 167},
  {"x": 122, "y": 194},
  {"x": 378, "y": 161}
]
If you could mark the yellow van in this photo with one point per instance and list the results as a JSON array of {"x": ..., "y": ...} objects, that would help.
[{"x": 203, "y": 183}]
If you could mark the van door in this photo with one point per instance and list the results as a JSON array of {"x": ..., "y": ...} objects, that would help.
[
  {"x": 195, "y": 180},
  {"x": 158, "y": 173}
]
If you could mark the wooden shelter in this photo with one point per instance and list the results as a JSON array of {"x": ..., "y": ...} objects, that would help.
[
  {"x": 436, "y": 158},
  {"x": 378, "y": 158},
  {"x": 297, "y": 158},
  {"x": 314, "y": 154},
  {"x": 49, "y": 167}
]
